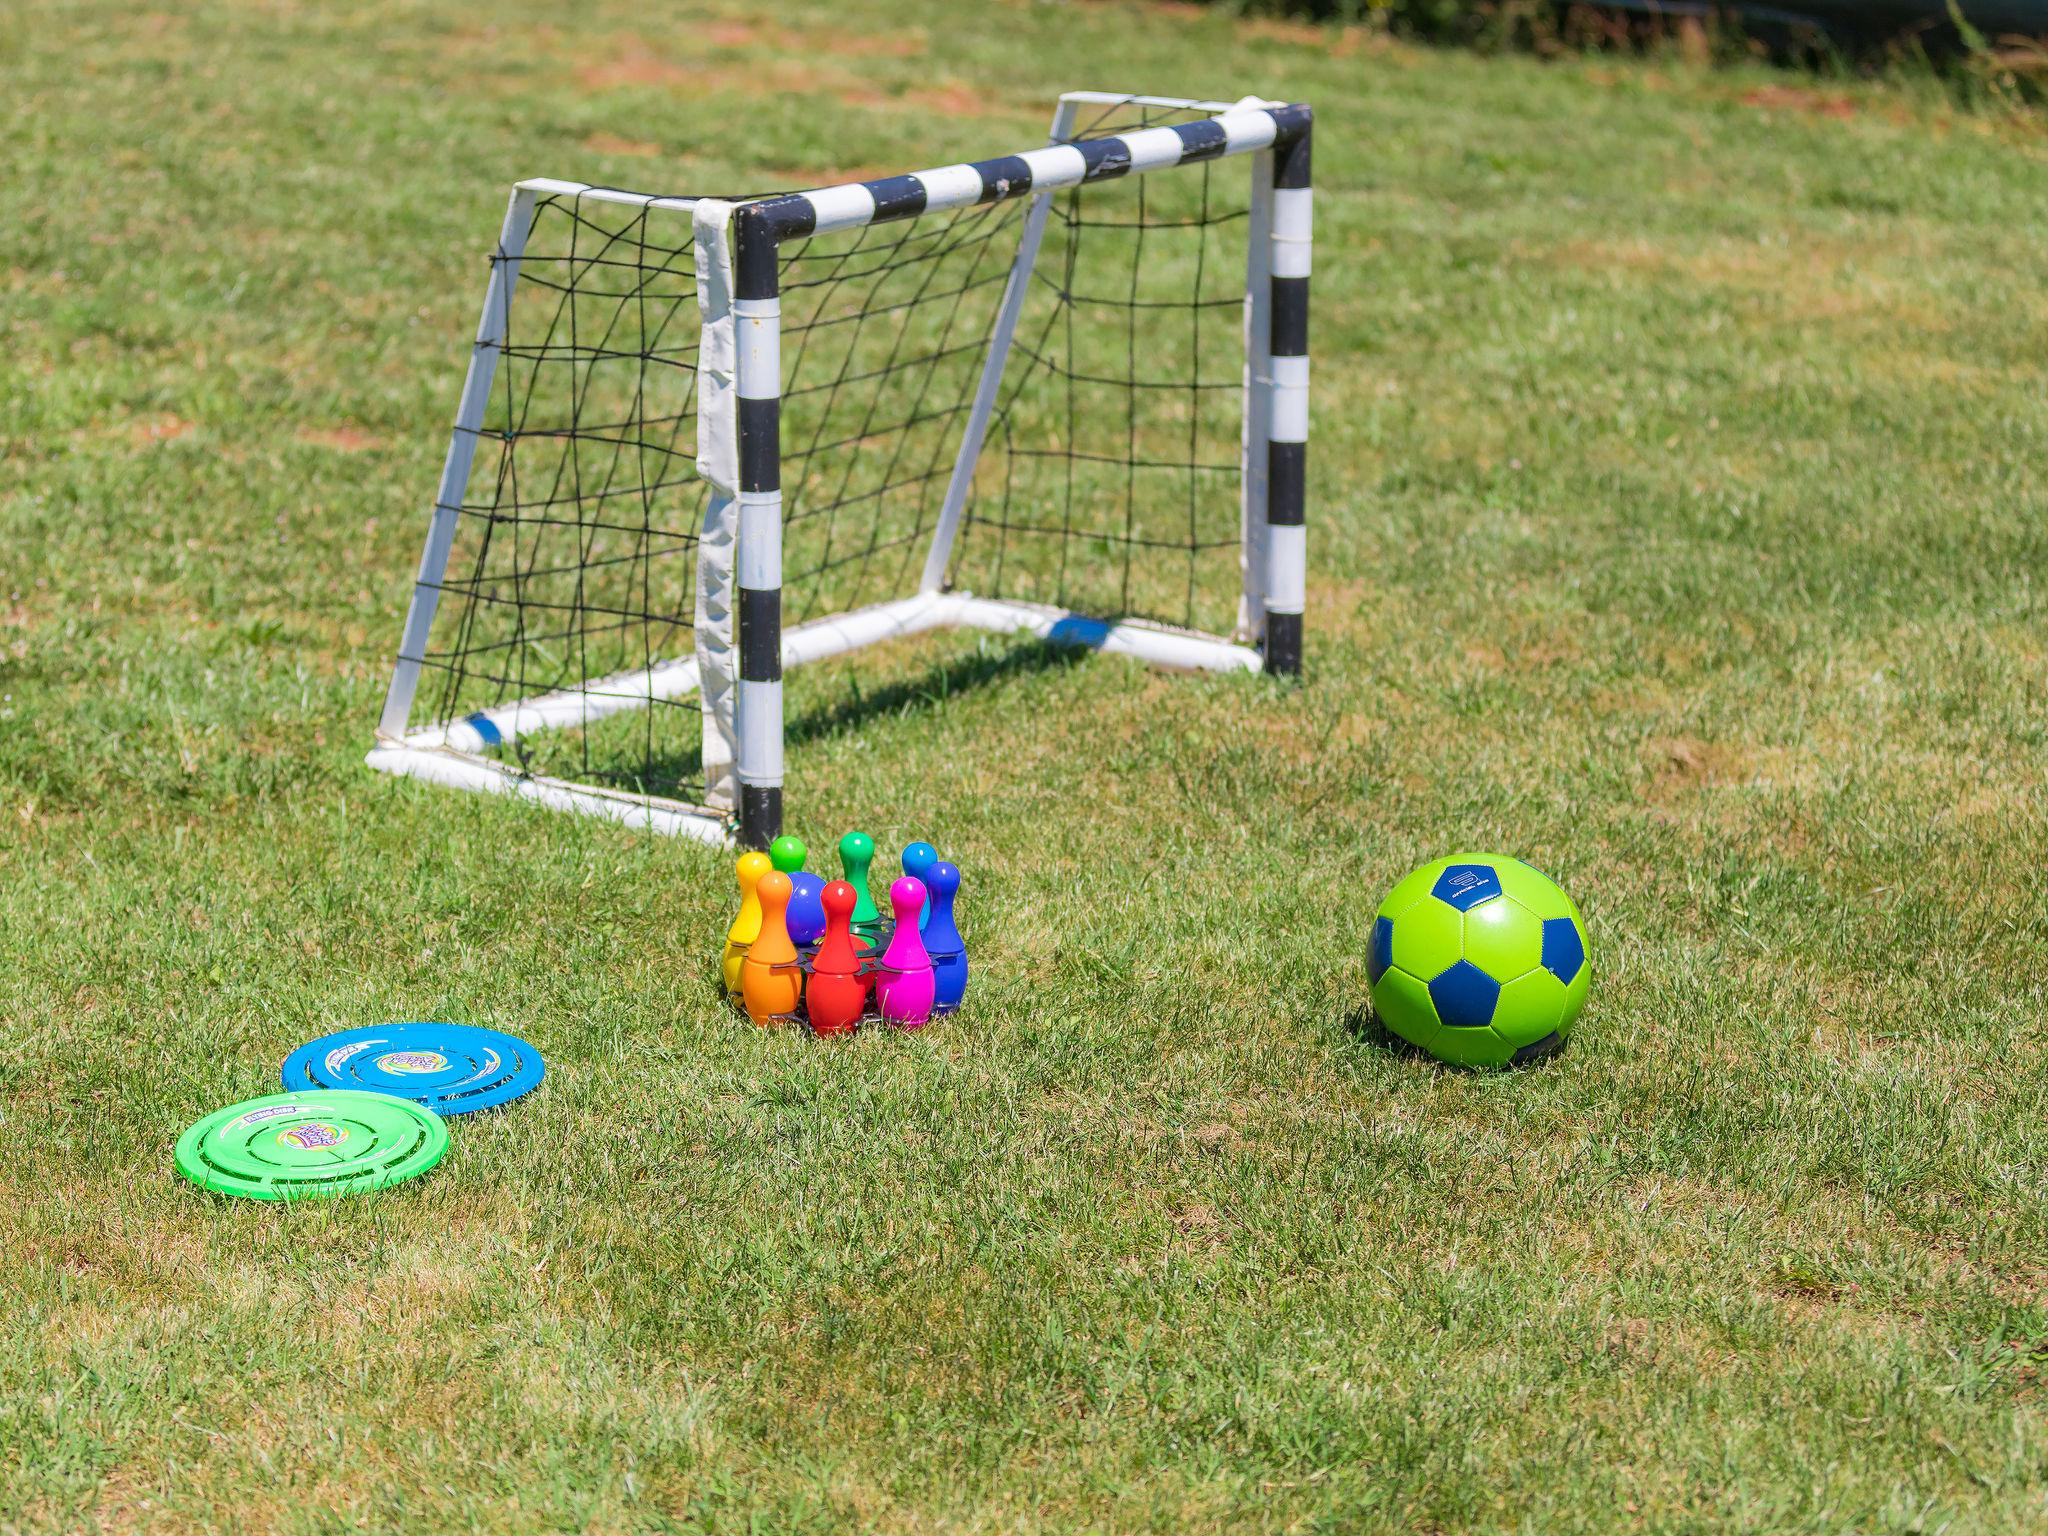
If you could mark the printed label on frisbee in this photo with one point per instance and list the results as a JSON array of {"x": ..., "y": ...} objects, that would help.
[
  {"x": 336, "y": 1058},
  {"x": 452, "y": 1069},
  {"x": 257, "y": 1117},
  {"x": 314, "y": 1133}
]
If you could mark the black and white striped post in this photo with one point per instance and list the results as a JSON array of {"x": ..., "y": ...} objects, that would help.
[
  {"x": 1285, "y": 537},
  {"x": 757, "y": 379}
]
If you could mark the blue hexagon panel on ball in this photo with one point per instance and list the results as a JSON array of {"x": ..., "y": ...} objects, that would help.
[
  {"x": 452, "y": 1069},
  {"x": 1564, "y": 948},
  {"x": 1382, "y": 953},
  {"x": 1480, "y": 960},
  {"x": 1464, "y": 996}
]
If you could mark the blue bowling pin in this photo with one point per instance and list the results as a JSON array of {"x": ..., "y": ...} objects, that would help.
[
  {"x": 918, "y": 860},
  {"x": 942, "y": 940},
  {"x": 806, "y": 916}
]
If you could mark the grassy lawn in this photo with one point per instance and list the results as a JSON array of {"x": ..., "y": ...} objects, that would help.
[{"x": 1677, "y": 502}]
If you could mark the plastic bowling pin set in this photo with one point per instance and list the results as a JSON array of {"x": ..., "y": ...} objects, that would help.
[{"x": 820, "y": 952}]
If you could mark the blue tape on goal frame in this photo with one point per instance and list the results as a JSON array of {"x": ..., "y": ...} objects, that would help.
[{"x": 452, "y": 1069}]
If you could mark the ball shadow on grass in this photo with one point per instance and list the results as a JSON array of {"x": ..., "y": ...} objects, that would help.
[{"x": 1364, "y": 1024}]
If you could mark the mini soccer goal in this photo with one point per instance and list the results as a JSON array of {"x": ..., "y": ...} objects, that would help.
[{"x": 1061, "y": 394}]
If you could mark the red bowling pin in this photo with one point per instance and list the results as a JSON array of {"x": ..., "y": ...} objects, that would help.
[
  {"x": 837, "y": 990},
  {"x": 903, "y": 983}
]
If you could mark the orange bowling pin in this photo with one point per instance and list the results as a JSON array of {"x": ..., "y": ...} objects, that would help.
[{"x": 771, "y": 981}]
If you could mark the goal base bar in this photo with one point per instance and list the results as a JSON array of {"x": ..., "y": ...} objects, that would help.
[
  {"x": 570, "y": 709},
  {"x": 461, "y": 770},
  {"x": 451, "y": 753},
  {"x": 1180, "y": 650}
]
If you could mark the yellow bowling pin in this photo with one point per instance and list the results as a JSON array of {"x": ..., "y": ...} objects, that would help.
[{"x": 747, "y": 926}]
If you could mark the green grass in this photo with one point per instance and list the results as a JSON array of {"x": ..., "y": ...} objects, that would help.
[{"x": 1680, "y": 460}]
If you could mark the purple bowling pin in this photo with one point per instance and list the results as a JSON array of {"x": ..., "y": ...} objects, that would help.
[
  {"x": 806, "y": 909},
  {"x": 942, "y": 940},
  {"x": 903, "y": 983}
]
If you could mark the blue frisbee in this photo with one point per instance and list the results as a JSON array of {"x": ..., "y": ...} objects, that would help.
[{"x": 452, "y": 1069}]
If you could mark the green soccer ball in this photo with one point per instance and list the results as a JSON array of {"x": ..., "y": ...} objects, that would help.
[{"x": 1480, "y": 961}]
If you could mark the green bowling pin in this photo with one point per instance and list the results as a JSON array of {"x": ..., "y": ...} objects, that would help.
[
  {"x": 787, "y": 853},
  {"x": 856, "y": 853}
]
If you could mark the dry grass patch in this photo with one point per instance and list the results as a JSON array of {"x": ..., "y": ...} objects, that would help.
[
  {"x": 1797, "y": 98},
  {"x": 773, "y": 62},
  {"x": 162, "y": 427},
  {"x": 617, "y": 144},
  {"x": 342, "y": 439}
]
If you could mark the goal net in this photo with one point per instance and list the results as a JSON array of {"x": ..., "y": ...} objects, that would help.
[{"x": 1059, "y": 394}]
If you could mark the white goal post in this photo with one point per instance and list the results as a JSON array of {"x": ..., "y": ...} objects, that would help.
[{"x": 902, "y": 377}]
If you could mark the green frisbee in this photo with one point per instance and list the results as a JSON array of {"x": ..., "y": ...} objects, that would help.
[{"x": 306, "y": 1146}]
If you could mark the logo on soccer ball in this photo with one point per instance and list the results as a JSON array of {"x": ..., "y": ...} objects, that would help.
[
  {"x": 409, "y": 1063},
  {"x": 1464, "y": 886},
  {"x": 312, "y": 1136}
]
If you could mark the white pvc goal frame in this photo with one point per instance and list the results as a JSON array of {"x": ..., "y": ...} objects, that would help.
[{"x": 741, "y": 648}]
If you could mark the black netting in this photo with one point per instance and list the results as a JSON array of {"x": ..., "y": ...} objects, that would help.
[
  {"x": 884, "y": 332},
  {"x": 574, "y": 564},
  {"x": 1109, "y": 481}
]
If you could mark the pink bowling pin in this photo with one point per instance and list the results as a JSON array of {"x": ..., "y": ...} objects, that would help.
[{"x": 903, "y": 983}]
